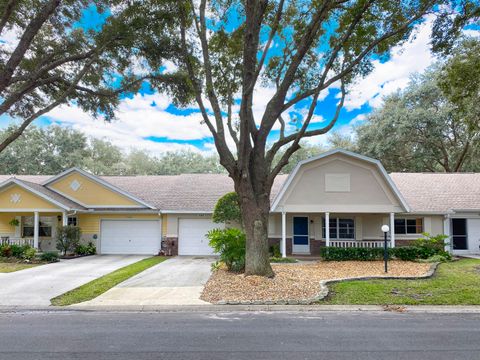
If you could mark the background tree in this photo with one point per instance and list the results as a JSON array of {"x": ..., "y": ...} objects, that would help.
[
  {"x": 56, "y": 59},
  {"x": 224, "y": 48},
  {"x": 418, "y": 129}
]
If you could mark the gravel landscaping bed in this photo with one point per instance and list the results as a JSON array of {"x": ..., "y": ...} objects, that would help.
[{"x": 297, "y": 282}]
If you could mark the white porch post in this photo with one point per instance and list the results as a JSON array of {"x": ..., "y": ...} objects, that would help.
[
  {"x": 392, "y": 230},
  {"x": 446, "y": 231},
  {"x": 284, "y": 234},
  {"x": 64, "y": 219},
  {"x": 35, "y": 229},
  {"x": 327, "y": 229}
]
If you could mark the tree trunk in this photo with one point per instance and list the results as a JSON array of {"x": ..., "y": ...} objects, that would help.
[{"x": 255, "y": 212}]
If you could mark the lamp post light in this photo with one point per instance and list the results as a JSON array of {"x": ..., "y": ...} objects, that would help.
[{"x": 385, "y": 230}]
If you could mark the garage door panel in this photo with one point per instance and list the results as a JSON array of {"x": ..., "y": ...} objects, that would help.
[
  {"x": 192, "y": 238},
  {"x": 130, "y": 237}
]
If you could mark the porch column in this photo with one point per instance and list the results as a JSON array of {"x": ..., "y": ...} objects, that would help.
[
  {"x": 327, "y": 229},
  {"x": 35, "y": 229},
  {"x": 447, "y": 231},
  {"x": 64, "y": 219},
  {"x": 284, "y": 234},
  {"x": 392, "y": 230}
]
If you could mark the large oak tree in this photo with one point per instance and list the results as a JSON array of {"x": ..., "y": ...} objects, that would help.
[{"x": 226, "y": 49}]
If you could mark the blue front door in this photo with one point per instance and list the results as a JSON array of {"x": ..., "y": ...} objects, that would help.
[{"x": 300, "y": 235}]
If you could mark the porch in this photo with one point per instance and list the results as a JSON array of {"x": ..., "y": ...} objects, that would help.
[
  {"x": 36, "y": 228},
  {"x": 303, "y": 234}
]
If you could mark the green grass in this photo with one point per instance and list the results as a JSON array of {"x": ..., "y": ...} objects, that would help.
[
  {"x": 454, "y": 283},
  {"x": 6, "y": 267},
  {"x": 98, "y": 286}
]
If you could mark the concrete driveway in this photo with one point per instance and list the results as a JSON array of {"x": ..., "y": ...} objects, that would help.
[
  {"x": 36, "y": 286},
  {"x": 176, "y": 281}
]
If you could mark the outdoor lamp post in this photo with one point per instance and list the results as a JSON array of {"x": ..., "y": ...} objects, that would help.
[{"x": 385, "y": 230}]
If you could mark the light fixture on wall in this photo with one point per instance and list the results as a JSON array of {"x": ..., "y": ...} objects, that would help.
[{"x": 59, "y": 218}]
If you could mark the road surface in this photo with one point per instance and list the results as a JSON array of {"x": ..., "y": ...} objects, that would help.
[{"x": 239, "y": 335}]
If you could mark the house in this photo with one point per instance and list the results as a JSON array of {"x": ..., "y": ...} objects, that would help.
[{"x": 336, "y": 199}]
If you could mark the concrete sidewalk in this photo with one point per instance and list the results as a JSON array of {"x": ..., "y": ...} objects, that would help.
[{"x": 176, "y": 281}]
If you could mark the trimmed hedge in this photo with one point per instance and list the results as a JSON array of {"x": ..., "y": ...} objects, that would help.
[{"x": 406, "y": 253}]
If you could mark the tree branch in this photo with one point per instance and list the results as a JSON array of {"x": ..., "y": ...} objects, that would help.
[
  {"x": 30, "y": 32},
  {"x": 6, "y": 13}
]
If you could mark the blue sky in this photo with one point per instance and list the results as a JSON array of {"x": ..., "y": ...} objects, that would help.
[{"x": 148, "y": 120}]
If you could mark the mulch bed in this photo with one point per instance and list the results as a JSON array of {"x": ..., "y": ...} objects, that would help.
[{"x": 299, "y": 281}]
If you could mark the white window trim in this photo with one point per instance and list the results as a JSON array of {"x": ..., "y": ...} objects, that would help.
[{"x": 337, "y": 219}]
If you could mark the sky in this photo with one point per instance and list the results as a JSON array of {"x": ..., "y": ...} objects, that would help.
[{"x": 149, "y": 121}]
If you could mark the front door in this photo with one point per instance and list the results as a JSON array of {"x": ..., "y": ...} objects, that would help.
[
  {"x": 459, "y": 234},
  {"x": 301, "y": 242}
]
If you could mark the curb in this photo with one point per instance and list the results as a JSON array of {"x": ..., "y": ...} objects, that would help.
[{"x": 324, "y": 291}]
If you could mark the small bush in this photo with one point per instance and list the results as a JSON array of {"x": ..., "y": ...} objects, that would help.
[
  {"x": 343, "y": 254},
  {"x": 88, "y": 249},
  {"x": 18, "y": 251},
  {"x": 6, "y": 251},
  {"x": 405, "y": 253},
  {"x": 49, "y": 256},
  {"x": 429, "y": 245},
  {"x": 230, "y": 245},
  {"x": 438, "y": 258},
  {"x": 275, "y": 251},
  {"x": 29, "y": 254},
  {"x": 68, "y": 238}
]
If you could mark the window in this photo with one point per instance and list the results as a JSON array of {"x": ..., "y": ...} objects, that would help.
[
  {"x": 340, "y": 228},
  {"x": 72, "y": 220},
  {"x": 409, "y": 226},
  {"x": 44, "y": 230}
]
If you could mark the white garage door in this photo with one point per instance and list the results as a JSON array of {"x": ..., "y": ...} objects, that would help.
[
  {"x": 191, "y": 236},
  {"x": 130, "y": 237}
]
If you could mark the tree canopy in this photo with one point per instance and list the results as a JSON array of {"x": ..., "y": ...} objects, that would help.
[{"x": 432, "y": 125}]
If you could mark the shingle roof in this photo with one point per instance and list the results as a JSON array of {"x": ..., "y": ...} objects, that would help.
[
  {"x": 439, "y": 192},
  {"x": 424, "y": 192}
]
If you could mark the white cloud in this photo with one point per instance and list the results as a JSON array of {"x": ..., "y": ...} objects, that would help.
[{"x": 387, "y": 77}]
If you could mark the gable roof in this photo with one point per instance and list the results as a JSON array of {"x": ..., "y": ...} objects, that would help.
[
  {"x": 190, "y": 193},
  {"x": 98, "y": 180},
  {"x": 350, "y": 154},
  {"x": 44, "y": 193}
]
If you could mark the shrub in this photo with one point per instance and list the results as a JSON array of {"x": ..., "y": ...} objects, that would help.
[
  {"x": 6, "y": 251},
  {"x": 68, "y": 238},
  {"x": 429, "y": 245},
  {"x": 49, "y": 256},
  {"x": 230, "y": 245},
  {"x": 29, "y": 254},
  {"x": 18, "y": 251},
  {"x": 227, "y": 209},
  {"x": 88, "y": 249},
  {"x": 343, "y": 254},
  {"x": 275, "y": 251},
  {"x": 405, "y": 253}
]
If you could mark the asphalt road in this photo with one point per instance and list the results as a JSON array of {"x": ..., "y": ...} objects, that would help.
[{"x": 252, "y": 336}]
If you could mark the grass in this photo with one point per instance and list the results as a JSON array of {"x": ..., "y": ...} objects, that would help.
[
  {"x": 98, "y": 286},
  {"x": 454, "y": 283},
  {"x": 6, "y": 267}
]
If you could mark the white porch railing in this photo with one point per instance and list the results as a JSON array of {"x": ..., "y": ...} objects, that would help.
[
  {"x": 357, "y": 243},
  {"x": 16, "y": 241}
]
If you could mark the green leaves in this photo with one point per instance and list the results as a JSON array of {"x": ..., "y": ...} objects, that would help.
[{"x": 227, "y": 209}]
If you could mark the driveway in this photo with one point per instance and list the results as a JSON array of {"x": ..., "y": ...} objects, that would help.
[
  {"x": 36, "y": 286},
  {"x": 176, "y": 281}
]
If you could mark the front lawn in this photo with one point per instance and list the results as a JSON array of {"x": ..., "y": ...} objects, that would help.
[
  {"x": 454, "y": 283},
  {"x": 98, "y": 286},
  {"x": 10, "y": 266}
]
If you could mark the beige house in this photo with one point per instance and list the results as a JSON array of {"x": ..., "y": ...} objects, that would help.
[{"x": 336, "y": 199}]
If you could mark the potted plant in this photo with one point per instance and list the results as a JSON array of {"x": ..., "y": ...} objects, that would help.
[{"x": 14, "y": 222}]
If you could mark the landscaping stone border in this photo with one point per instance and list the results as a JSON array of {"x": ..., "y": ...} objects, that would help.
[{"x": 324, "y": 291}]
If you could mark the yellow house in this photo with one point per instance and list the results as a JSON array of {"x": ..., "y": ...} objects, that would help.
[{"x": 336, "y": 199}]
